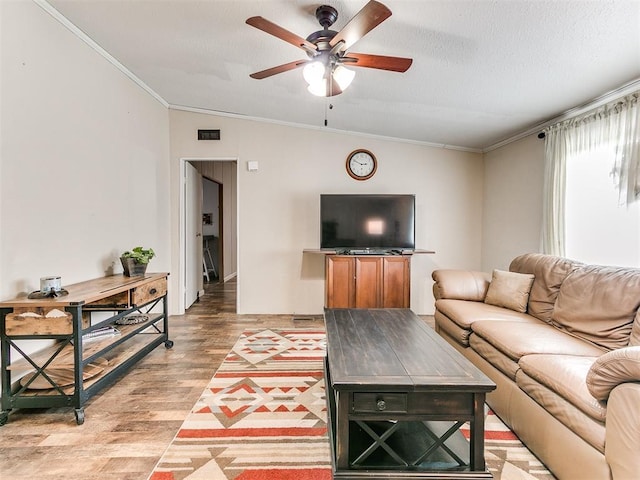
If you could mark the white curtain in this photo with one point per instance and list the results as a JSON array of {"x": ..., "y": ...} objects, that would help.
[
  {"x": 624, "y": 127},
  {"x": 616, "y": 124}
]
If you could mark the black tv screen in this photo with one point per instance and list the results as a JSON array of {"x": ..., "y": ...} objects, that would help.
[{"x": 356, "y": 221}]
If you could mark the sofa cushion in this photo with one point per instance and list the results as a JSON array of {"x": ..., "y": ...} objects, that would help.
[
  {"x": 612, "y": 369},
  {"x": 516, "y": 339},
  {"x": 565, "y": 375},
  {"x": 599, "y": 304},
  {"x": 549, "y": 272},
  {"x": 464, "y": 313},
  {"x": 445, "y": 326},
  {"x": 509, "y": 290},
  {"x": 586, "y": 427},
  {"x": 495, "y": 357}
]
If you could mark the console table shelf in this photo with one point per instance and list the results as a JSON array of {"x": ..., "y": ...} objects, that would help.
[{"x": 75, "y": 367}]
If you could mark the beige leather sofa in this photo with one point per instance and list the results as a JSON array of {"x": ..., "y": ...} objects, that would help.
[{"x": 561, "y": 340}]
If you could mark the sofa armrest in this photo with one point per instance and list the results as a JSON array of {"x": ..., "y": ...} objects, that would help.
[
  {"x": 460, "y": 284},
  {"x": 612, "y": 369},
  {"x": 622, "y": 441}
]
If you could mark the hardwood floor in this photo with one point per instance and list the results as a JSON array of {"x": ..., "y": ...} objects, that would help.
[{"x": 129, "y": 425}]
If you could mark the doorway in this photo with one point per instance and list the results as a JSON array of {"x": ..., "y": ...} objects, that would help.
[{"x": 215, "y": 175}]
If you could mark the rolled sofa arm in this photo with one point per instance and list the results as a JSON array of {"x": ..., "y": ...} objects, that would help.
[
  {"x": 611, "y": 369},
  {"x": 460, "y": 284},
  {"x": 622, "y": 440}
]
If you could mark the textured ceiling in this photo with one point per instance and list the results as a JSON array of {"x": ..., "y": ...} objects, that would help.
[{"x": 483, "y": 70}]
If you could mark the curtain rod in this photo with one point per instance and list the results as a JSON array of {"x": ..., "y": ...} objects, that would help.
[{"x": 593, "y": 104}]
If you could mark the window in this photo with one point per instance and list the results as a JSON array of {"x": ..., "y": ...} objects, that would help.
[{"x": 598, "y": 229}]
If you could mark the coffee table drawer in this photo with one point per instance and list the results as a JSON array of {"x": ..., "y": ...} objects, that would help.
[
  {"x": 441, "y": 403},
  {"x": 365, "y": 402}
]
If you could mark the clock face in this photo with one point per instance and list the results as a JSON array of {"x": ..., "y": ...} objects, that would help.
[{"x": 361, "y": 164}]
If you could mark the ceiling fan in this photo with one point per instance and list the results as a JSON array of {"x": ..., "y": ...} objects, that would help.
[{"x": 325, "y": 70}]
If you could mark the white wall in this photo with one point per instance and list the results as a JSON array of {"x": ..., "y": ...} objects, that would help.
[
  {"x": 512, "y": 216},
  {"x": 84, "y": 158},
  {"x": 279, "y": 204}
]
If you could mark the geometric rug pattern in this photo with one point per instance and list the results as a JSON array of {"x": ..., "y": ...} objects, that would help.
[{"x": 263, "y": 417}]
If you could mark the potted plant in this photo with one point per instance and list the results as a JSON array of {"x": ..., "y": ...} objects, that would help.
[{"x": 135, "y": 261}]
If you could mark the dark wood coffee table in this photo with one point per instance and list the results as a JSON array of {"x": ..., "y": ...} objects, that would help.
[{"x": 397, "y": 396}]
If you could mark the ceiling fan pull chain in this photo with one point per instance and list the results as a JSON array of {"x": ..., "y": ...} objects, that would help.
[{"x": 326, "y": 102}]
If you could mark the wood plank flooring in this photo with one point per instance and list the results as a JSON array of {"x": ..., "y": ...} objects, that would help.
[{"x": 129, "y": 425}]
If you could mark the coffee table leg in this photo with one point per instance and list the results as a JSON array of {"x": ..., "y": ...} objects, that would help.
[
  {"x": 342, "y": 431},
  {"x": 477, "y": 433}
]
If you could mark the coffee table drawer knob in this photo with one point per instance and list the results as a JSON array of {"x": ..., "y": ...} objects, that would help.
[{"x": 377, "y": 402}]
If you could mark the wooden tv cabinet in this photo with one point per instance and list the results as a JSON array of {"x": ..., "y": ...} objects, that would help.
[
  {"x": 76, "y": 367},
  {"x": 367, "y": 281}
]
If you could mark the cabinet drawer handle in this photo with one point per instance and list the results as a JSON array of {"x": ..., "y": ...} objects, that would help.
[
  {"x": 153, "y": 291},
  {"x": 381, "y": 405}
]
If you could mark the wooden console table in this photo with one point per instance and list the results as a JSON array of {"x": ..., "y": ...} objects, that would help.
[
  {"x": 77, "y": 366},
  {"x": 397, "y": 395}
]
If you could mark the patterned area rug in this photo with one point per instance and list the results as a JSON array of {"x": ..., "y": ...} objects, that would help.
[{"x": 263, "y": 417}]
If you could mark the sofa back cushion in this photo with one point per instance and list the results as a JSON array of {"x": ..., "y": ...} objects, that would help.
[
  {"x": 549, "y": 272},
  {"x": 599, "y": 304}
]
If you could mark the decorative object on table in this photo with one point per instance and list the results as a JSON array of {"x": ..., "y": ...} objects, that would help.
[
  {"x": 361, "y": 164},
  {"x": 135, "y": 261},
  {"x": 132, "y": 319},
  {"x": 50, "y": 286}
]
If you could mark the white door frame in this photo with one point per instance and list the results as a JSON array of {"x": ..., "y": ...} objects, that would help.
[{"x": 182, "y": 259}]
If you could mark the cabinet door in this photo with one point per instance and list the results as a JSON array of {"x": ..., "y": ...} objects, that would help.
[
  {"x": 339, "y": 282},
  {"x": 368, "y": 282},
  {"x": 396, "y": 282}
]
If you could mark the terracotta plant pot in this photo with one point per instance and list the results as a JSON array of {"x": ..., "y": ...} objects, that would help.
[{"x": 131, "y": 268}]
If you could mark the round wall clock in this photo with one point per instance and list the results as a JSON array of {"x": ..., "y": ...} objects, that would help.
[{"x": 361, "y": 164}]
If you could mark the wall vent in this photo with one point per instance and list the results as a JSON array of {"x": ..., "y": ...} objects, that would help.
[{"x": 208, "y": 134}]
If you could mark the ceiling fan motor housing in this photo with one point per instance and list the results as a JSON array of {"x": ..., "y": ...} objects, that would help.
[{"x": 326, "y": 15}]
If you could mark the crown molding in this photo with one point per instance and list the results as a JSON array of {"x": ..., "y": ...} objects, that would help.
[
  {"x": 101, "y": 51},
  {"x": 217, "y": 113}
]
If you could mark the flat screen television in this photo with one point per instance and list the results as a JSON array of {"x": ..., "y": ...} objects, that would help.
[{"x": 353, "y": 222}]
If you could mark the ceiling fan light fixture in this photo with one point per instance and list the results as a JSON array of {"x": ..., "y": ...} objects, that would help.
[
  {"x": 318, "y": 88},
  {"x": 343, "y": 76},
  {"x": 313, "y": 72}
]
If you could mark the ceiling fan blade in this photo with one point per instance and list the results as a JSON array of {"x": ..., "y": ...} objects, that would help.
[
  {"x": 279, "y": 69},
  {"x": 281, "y": 33},
  {"x": 394, "y": 64},
  {"x": 371, "y": 15}
]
